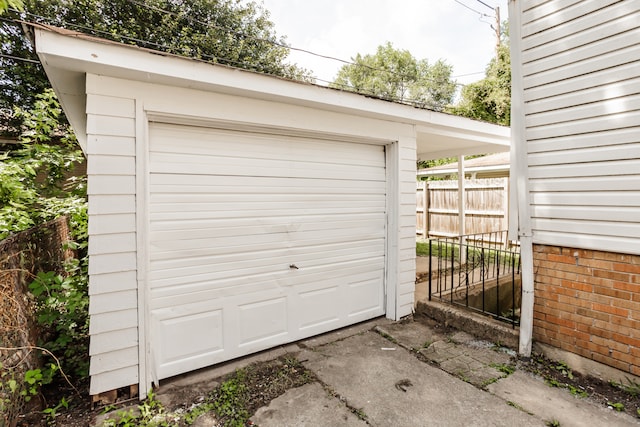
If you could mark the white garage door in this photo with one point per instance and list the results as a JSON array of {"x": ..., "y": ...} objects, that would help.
[{"x": 258, "y": 240}]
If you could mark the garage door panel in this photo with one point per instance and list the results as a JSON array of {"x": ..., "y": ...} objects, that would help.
[
  {"x": 231, "y": 212},
  {"x": 201, "y": 291},
  {"x": 256, "y": 145},
  {"x": 263, "y": 320},
  {"x": 203, "y": 210},
  {"x": 250, "y": 228},
  {"x": 366, "y": 247},
  {"x": 284, "y": 258},
  {"x": 285, "y": 169},
  {"x": 282, "y": 237},
  {"x": 212, "y": 184},
  {"x": 246, "y": 158}
]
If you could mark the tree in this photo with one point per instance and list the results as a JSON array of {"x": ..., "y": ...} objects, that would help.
[
  {"x": 396, "y": 75},
  {"x": 490, "y": 98},
  {"x": 6, "y": 4},
  {"x": 230, "y": 32}
]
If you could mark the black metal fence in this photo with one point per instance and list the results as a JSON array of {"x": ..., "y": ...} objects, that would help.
[{"x": 478, "y": 271}]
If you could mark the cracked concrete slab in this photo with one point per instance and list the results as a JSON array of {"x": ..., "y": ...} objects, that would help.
[
  {"x": 393, "y": 387},
  {"x": 554, "y": 404},
  {"x": 309, "y": 405}
]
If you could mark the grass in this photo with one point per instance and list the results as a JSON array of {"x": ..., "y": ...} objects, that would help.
[{"x": 444, "y": 250}]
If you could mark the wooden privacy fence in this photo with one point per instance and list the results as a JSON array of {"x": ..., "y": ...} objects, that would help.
[{"x": 486, "y": 210}]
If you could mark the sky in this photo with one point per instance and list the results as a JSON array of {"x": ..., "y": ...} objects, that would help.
[{"x": 429, "y": 29}]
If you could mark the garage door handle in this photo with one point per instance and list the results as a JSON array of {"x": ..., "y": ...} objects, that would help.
[{"x": 293, "y": 266}]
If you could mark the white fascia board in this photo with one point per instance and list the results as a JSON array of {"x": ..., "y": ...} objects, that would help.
[
  {"x": 450, "y": 171},
  {"x": 81, "y": 54}
]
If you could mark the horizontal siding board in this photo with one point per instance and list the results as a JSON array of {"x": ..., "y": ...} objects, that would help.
[
  {"x": 555, "y": 13},
  {"x": 114, "y": 360},
  {"x": 113, "y": 380},
  {"x": 112, "y": 223},
  {"x": 605, "y": 107},
  {"x": 111, "y": 184},
  {"x": 111, "y": 165},
  {"x": 583, "y": 68},
  {"x": 595, "y": 183},
  {"x": 587, "y": 140},
  {"x": 113, "y": 126},
  {"x": 112, "y": 204},
  {"x": 558, "y": 11},
  {"x": 587, "y": 212},
  {"x": 111, "y": 145},
  {"x": 581, "y": 50},
  {"x": 582, "y": 126},
  {"x": 577, "y": 21},
  {"x": 112, "y": 243},
  {"x": 622, "y": 167},
  {"x": 113, "y": 341},
  {"x": 588, "y": 199},
  {"x": 614, "y": 92},
  {"x": 112, "y": 263},
  {"x": 615, "y": 244},
  {"x": 598, "y": 228},
  {"x": 113, "y": 321},
  {"x": 113, "y": 301},
  {"x": 110, "y": 106},
  {"x": 112, "y": 282},
  {"x": 586, "y": 155},
  {"x": 574, "y": 85}
]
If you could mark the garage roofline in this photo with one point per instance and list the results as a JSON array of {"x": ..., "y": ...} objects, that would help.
[{"x": 68, "y": 56}]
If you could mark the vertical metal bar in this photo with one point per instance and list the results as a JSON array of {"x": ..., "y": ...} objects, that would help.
[
  {"x": 466, "y": 262},
  {"x": 498, "y": 284},
  {"x": 483, "y": 279},
  {"x": 430, "y": 265},
  {"x": 453, "y": 252},
  {"x": 513, "y": 293}
]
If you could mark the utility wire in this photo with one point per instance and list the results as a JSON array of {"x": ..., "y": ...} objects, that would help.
[
  {"x": 211, "y": 25},
  {"x": 472, "y": 9},
  {"x": 19, "y": 58},
  {"x": 481, "y": 2},
  {"x": 210, "y": 58}
]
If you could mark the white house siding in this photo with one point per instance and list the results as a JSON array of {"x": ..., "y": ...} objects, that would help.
[
  {"x": 582, "y": 96},
  {"x": 113, "y": 308},
  {"x": 118, "y": 116}
]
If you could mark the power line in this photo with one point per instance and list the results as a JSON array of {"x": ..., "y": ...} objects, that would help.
[
  {"x": 481, "y": 2},
  {"x": 210, "y": 58},
  {"x": 18, "y": 58},
  {"x": 472, "y": 9}
]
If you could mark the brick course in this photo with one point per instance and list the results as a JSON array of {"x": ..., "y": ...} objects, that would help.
[{"x": 588, "y": 302}]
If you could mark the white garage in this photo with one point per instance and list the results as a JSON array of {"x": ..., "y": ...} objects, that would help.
[{"x": 230, "y": 212}]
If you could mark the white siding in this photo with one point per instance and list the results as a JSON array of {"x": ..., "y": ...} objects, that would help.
[
  {"x": 581, "y": 78},
  {"x": 113, "y": 308}
]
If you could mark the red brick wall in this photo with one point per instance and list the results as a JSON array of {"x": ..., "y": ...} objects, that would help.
[{"x": 588, "y": 302}]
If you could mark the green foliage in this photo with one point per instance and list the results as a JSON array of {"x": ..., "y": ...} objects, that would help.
[
  {"x": 505, "y": 368},
  {"x": 396, "y": 75},
  {"x": 616, "y": 405},
  {"x": 632, "y": 387},
  {"x": 33, "y": 188},
  {"x": 6, "y": 4},
  {"x": 490, "y": 98},
  {"x": 230, "y": 401},
  {"x": 150, "y": 413},
  {"x": 230, "y": 32}
]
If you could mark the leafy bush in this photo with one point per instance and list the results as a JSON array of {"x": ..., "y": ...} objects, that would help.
[{"x": 36, "y": 186}]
